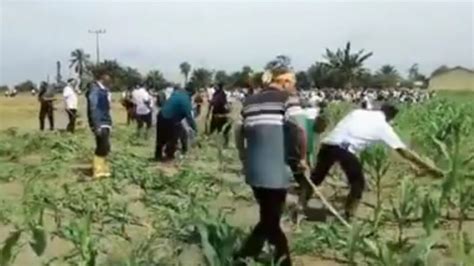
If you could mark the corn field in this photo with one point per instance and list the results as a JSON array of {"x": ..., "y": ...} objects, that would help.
[{"x": 198, "y": 211}]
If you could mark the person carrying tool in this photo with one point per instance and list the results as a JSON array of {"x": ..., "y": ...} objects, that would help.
[
  {"x": 261, "y": 140},
  {"x": 219, "y": 114},
  {"x": 355, "y": 132},
  {"x": 168, "y": 125}
]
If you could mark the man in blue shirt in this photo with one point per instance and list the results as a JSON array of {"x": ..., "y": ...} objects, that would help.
[
  {"x": 100, "y": 121},
  {"x": 174, "y": 110}
]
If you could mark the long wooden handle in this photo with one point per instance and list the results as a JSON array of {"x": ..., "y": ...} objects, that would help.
[
  {"x": 325, "y": 201},
  {"x": 370, "y": 244}
]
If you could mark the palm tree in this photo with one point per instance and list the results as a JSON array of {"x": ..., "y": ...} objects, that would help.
[
  {"x": 155, "y": 79},
  {"x": 321, "y": 75},
  {"x": 201, "y": 78},
  {"x": 388, "y": 70},
  {"x": 79, "y": 60},
  {"x": 413, "y": 72},
  {"x": 388, "y": 76},
  {"x": 346, "y": 65},
  {"x": 185, "y": 68}
]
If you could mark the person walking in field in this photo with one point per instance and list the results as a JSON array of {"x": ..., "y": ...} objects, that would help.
[
  {"x": 219, "y": 113},
  {"x": 128, "y": 104},
  {"x": 261, "y": 142},
  {"x": 311, "y": 122},
  {"x": 168, "y": 125},
  {"x": 70, "y": 101},
  {"x": 198, "y": 102},
  {"x": 143, "y": 109},
  {"x": 46, "y": 99},
  {"x": 100, "y": 121},
  {"x": 355, "y": 132}
]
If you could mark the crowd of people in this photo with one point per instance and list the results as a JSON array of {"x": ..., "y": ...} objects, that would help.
[{"x": 276, "y": 136}]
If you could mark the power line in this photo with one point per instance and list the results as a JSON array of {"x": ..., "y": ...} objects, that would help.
[{"x": 97, "y": 33}]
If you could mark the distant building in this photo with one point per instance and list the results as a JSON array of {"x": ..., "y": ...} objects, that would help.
[{"x": 457, "y": 78}]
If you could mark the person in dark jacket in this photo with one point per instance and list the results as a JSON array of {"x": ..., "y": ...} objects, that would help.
[
  {"x": 168, "y": 125},
  {"x": 219, "y": 111},
  {"x": 46, "y": 99},
  {"x": 100, "y": 121},
  {"x": 261, "y": 142}
]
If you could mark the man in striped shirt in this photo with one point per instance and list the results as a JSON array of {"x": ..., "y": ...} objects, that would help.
[{"x": 261, "y": 143}]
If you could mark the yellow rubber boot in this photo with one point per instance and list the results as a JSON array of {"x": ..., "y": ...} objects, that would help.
[
  {"x": 106, "y": 168},
  {"x": 96, "y": 167},
  {"x": 100, "y": 167}
]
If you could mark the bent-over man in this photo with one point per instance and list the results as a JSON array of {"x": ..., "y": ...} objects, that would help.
[{"x": 355, "y": 132}]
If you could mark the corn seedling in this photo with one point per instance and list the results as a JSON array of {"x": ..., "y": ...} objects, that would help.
[
  {"x": 376, "y": 162},
  {"x": 405, "y": 207},
  {"x": 430, "y": 212},
  {"x": 79, "y": 232}
]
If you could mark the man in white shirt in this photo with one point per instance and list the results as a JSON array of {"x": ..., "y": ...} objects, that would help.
[
  {"x": 355, "y": 132},
  {"x": 70, "y": 101},
  {"x": 143, "y": 109}
]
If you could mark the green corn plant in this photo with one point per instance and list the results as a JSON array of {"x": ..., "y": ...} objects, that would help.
[
  {"x": 418, "y": 254},
  {"x": 381, "y": 254},
  {"x": 7, "y": 255},
  {"x": 461, "y": 249},
  {"x": 150, "y": 251},
  {"x": 456, "y": 184},
  {"x": 355, "y": 242},
  {"x": 32, "y": 226},
  {"x": 405, "y": 207},
  {"x": 376, "y": 162},
  {"x": 430, "y": 212},
  {"x": 34, "y": 230},
  {"x": 218, "y": 239},
  {"x": 79, "y": 232}
]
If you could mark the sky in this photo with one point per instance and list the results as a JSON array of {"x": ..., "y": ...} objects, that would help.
[{"x": 229, "y": 34}]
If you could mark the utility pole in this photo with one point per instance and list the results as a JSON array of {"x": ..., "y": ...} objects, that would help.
[
  {"x": 58, "y": 73},
  {"x": 97, "y": 33}
]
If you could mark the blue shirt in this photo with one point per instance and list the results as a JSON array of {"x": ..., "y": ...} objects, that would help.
[
  {"x": 179, "y": 107},
  {"x": 98, "y": 106}
]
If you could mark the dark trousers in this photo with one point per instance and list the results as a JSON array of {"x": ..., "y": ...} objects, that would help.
[
  {"x": 330, "y": 154},
  {"x": 46, "y": 110},
  {"x": 197, "y": 110},
  {"x": 144, "y": 120},
  {"x": 130, "y": 114},
  {"x": 102, "y": 142},
  {"x": 183, "y": 138},
  {"x": 271, "y": 202},
  {"x": 72, "y": 115},
  {"x": 221, "y": 125},
  {"x": 167, "y": 133}
]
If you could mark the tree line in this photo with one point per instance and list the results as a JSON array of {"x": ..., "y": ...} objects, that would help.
[{"x": 340, "y": 68}]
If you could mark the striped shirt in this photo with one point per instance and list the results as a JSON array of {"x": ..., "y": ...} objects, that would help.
[{"x": 264, "y": 152}]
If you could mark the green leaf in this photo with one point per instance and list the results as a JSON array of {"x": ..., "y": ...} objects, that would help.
[
  {"x": 10, "y": 243},
  {"x": 209, "y": 252},
  {"x": 419, "y": 253},
  {"x": 39, "y": 236}
]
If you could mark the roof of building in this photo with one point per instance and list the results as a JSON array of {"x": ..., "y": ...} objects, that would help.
[{"x": 452, "y": 69}]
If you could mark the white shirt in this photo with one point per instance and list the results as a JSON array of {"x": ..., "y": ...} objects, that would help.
[
  {"x": 140, "y": 98},
  {"x": 361, "y": 128},
  {"x": 168, "y": 92},
  {"x": 210, "y": 93},
  {"x": 70, "y": 97},
  {"x": 312, "y": 112}
]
